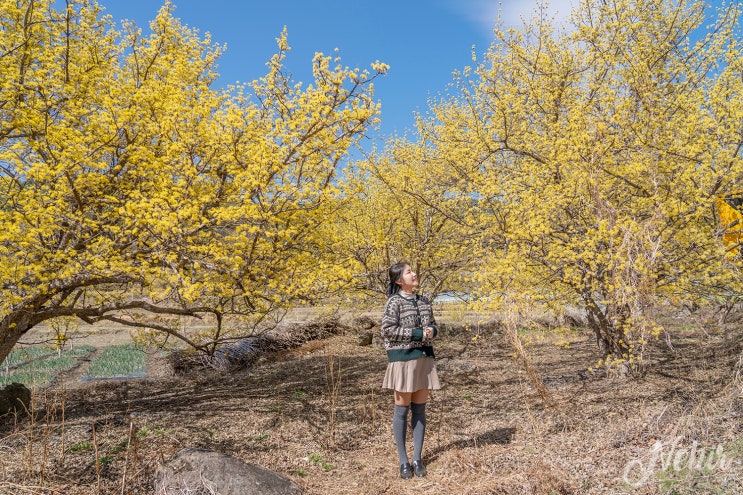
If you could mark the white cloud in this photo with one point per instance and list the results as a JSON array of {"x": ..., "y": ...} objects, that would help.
[{"x": 485, "y": 13}]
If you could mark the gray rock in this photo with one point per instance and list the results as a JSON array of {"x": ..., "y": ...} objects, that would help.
[
  {"x": 202, "y": 471},
  {"x": 365, "y": 322},
  {"x": 366, "y": 338},
  {"x": 15, "y": 397}
]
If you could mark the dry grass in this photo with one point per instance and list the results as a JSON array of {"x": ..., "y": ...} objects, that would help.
[{"x": 316, "y": 414}]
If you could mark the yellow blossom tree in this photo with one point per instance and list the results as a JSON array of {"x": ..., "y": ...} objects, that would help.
[
  {"x": 404, "y": 205},
  {"x": 134, "y": 192},
  {"x": 597, "y": 152}
]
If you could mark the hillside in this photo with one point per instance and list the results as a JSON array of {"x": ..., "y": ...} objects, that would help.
[{"x": 316, "y": 414}]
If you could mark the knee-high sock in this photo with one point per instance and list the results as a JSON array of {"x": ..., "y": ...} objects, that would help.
[
  {"x": 418, "y": 423},
  {"x": 399, "y": 429}
]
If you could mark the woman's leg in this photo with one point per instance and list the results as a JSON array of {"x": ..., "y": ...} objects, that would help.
[
  {"x": 403, "y": 398},
  {"x": 418, "y": 424},
  {"x": 419, "y": 397},
  {"x": 399, "y": 429}
]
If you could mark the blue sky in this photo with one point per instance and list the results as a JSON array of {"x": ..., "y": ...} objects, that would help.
[{"x": 423, "y": 41}]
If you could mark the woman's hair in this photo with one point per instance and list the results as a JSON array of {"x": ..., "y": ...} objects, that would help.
[{"x": 395, "y": 274}]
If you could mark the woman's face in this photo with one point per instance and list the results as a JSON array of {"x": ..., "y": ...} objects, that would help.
[{"x": 409, "y": 280}]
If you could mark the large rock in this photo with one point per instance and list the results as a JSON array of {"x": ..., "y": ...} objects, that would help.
[
  {"x": 206, "y": 471},
  {"x": 14, "y": 397}
]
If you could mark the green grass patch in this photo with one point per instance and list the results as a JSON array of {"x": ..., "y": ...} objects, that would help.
[
  {"x": 119, "y": 361},
  {"x": 26, "y": 354},
  {"x": 318, "y": 460},
  {"x": 121, "y": 445},
  {"x": 146, "y": 430},
  {"x": 81, "y": 447},
  {"x": 39, "y": 366}
]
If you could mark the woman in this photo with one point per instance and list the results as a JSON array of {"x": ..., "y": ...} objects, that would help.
[{"x": 408, "y": 327}]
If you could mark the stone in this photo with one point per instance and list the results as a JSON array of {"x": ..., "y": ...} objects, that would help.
[
  {"x": 365, "y": 322},
  {"x": 15, "y": 397},
  {"x": 366, "y": 338},
  {"x": 193, "y": 470}
]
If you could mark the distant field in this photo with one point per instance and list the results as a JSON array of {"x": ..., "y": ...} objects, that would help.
[
  {"x": 118, "y": 361},
  {"x": 38, "y": 366}
]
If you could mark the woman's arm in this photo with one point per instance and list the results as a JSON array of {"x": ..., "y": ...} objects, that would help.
[{"x": 431, "y": 320}]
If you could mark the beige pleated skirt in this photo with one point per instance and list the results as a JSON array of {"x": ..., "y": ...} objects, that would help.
[{"x": 411, "y": 376}]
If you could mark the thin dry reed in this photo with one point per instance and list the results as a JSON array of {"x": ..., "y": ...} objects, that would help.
[
  {"x": 334, "y": 381},
  {"x": 97, "y": 458},
  {"x": 535, "y": 380},
  {"x": 126, "y": 456}
]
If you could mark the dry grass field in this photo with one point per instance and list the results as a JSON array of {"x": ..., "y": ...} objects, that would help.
[{"x": 317, "y": 415}]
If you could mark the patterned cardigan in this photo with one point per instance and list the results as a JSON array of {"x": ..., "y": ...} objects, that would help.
[{"x": 403, "y": 322}]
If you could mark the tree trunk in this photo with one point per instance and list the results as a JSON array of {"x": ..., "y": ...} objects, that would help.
[
  {"x": 610, "y": 334},
  {"x": 12, "y": 328}
]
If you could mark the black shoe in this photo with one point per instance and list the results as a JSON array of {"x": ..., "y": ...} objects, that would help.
[
  {"x": 420, "y": 469},
  {"x": 406, "y": 472}
]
